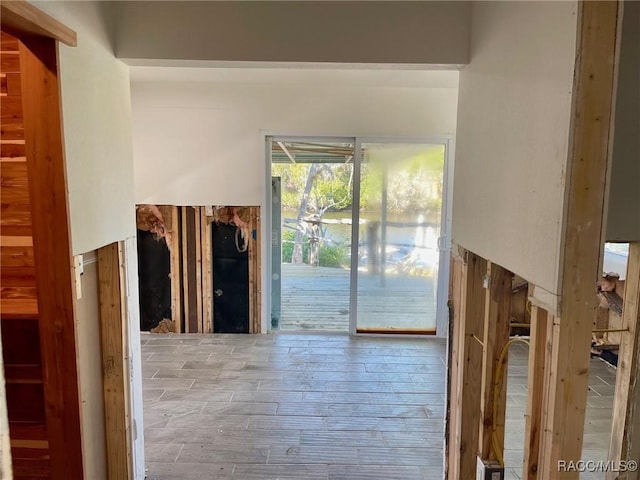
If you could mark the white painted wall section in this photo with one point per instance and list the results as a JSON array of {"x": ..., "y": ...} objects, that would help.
[
  {"x": 512, "y": 138},
  {"x": 201, "y": 143},
  {"x": 96, "y": 111}
]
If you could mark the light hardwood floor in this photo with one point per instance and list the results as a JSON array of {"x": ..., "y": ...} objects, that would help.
[{"x": 317, "y": 406}]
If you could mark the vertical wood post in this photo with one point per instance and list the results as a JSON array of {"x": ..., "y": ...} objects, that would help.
[
  {"x": 625, "y": 431},
  {"x": 536, "y": 386},
  {"x": 497, "y": 328},
  {"x": 115, "y": 361},
  {"x": 52, "y": 252},
  {"x": 580, "y": 265},
  {"x": 456, "y": 304},
  {"x": 466, "y": 391}
]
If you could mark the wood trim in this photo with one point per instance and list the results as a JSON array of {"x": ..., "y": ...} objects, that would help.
[
  {"x": 5, "y": 445},
  {"x": 20, "y": 17},
  {"x": 497, "y": 328},
  {"x": 115, "y": 365},
  {"x": 52, "y": 253},
  {"x": 535, "y": 385},
  {"x": 585, "y": 201},
  {"x": 625, "y": 430}
]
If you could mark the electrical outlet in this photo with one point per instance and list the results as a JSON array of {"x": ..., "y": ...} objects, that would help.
[{"x": 489, "y": 470}]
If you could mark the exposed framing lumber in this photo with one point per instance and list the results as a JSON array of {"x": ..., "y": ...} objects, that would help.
[
  {"x": 115, "y": 364},
  {"x": 21, "y": 16},
  {"x": 497, "y": 328},
  {"x": 173, "y": 225},
  {"x": 52, "y": 252},
  {"x": 538, "y": 346},
  {"x": 254, "y": 272},
  {"x": 207, "y": 288},
  {"x": 456, "y": 305},
  {"x": 185, "y": 275},
  {"x": 197, "y": 240},
  {"x": 466, "y": 391},
  {"x": 585, "y": 201},
  {"x": 258, "y": 273},
  {"x": 625, "y": 431}
]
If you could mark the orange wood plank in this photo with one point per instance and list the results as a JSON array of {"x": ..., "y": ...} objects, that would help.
[
  {"x": 16, "y": 257},
  {"x": 9, "y": 62},
  {"x": 18, "y": 293},
  {"x": 52, "y": 253},
  {"x": 12, "y": 131},
  {"x": 13, "y": 149},
  {"x": 8, "y": 43},
  {"x": 11, "y": 108},
  {"x": 33, "y": 431}
]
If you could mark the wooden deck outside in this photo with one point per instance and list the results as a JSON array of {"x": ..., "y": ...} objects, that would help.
[{"x": 317, "y": 298}]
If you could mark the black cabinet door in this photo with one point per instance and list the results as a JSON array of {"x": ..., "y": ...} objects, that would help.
[{"x": 230, "y": 280}]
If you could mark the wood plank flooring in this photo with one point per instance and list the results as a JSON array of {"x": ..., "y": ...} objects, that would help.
[
  {"x": 317, "y": 406},
  {"x": 317, "y": 299}
]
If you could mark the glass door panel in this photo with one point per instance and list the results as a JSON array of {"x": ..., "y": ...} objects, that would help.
[{"x": 400, "y": 218}]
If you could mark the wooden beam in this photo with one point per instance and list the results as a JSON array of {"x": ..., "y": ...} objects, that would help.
[
  {"x": 536, "y": 381},
  {"x": 21, "y": 16},
  {"x": 456, "y": 304},
  {"x": 580, "y": 266},
  {"x": 625, "y": 430},
  {"x": 173, "y": 225},
  {"x": 185, "y": 270},
  {"x": 252, "y": 272},
  {"x": 52, "y": 253},
  {"x": 207, "y": 294},
  {"x": 197, "y": 240},
  {"x": 115, "y": 365},
  {"x": 258, "y": 285},
  {"x": 466, "y": 400},
  {"x": 497, "y": 328}
]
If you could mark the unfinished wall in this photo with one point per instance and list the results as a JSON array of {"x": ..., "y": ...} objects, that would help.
[
  {"x": 623, "y": 222},
  {"x": 96, "y": 112},
  {"x": 350, "y": 32},
  {"x": 513, "y": 125},
  {"x": 90, "y": 372},
  {"x": 202, "y": 143}
]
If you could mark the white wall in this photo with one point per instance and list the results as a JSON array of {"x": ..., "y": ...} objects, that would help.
[
  {"x": 96, "y": 113},
  {"x": 623, "y": 221},
  {"x": 202, "y": 143},
  {"x": 347, "y": 32},
  {"x": 512, "y": 138}
]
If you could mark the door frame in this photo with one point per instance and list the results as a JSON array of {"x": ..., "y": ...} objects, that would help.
[{"x": 442, "y": 316}]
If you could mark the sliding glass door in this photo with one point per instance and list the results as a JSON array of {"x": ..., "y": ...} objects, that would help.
[
  {"x": 399, "y": 226},
  {"x": 372, "y": 218}
]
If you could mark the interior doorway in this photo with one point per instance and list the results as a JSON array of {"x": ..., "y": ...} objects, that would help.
[{"x": 359, "y": 234}]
